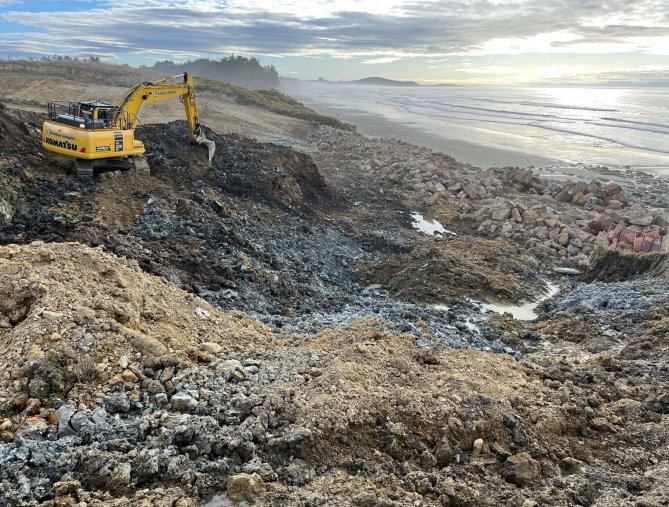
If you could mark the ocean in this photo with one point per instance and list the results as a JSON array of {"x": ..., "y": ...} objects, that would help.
[{"x": 510, "y": 125}]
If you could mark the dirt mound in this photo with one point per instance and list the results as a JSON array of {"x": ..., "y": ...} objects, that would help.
[
  {"x": 614, "y": 266},
  {"x": 244, "y": 167},
  {"x": 19, "y": 132},
  {"x": 438, "y": 271},
  {"x": 69, "y": 313}
]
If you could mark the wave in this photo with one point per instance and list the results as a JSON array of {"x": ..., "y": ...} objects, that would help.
[
  {"x": 501, "y": 111},
  {"x": 560, "y": 106},
  {"x": 601, "y": 138},
  {"x": 661, "y": 125}
]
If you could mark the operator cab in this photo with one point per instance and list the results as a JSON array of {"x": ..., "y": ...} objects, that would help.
[{"x": 83, "y": 115}]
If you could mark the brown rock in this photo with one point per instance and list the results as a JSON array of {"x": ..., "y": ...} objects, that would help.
[
  {"x": 244, "y": 487},
  {"x": 563, "y": 239},
  {"x": 612, "y": 189},
  {"x": 471, "y": 191},
  {"x": 129, "y": 376},
  {"x": 521, "y": 469}
]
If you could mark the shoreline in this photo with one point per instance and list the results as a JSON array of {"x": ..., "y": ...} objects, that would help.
[{"x": 580, "y": 155}]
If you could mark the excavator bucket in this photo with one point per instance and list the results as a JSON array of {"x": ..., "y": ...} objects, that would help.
[{"x": 210, "y": 145}]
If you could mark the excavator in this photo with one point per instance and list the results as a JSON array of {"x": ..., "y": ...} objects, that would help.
[{"x": 100, "y": 135}]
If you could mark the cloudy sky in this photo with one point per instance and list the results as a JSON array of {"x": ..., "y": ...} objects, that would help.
[{"x": 459, "y": 41}]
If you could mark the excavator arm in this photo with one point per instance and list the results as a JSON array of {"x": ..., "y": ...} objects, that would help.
[{"x": 130, "y": 107}]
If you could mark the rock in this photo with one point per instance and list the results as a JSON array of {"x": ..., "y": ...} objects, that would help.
[
  {"x": 129, "y": 376},
  {"x": 155, "y": 387},
  {"x": 563, "y": 239},
  {"x": 117, "y": 402},
  {"x": 79, "y": 420},
  {"x": 231, "y": 369},
  {"x": 477, "y": 447},
  {"x": 500, "y": 213},
  {"x": 601, "y": 223},
  {"x": 566, "y": 271},
  {"x": 521, "y": 469},
  {"x": 244, "y": 487},
  {"x": 202, "y": 313},
  {"x": 37, "y": 388},
  {"x": 612, "y": 189},
  {"x": 641, "y": 219},
  {"x": 183, "y": 402},
  {"x": 471, "y": 191},
  {"x": 65, "y": 413},
  {"x": 541, "y": 232},
  {"x": 455, "y": 188},
  {"x": 211, "y": 347},
  {"x": 52, "y": 316},
  {"x": 569, "y": 466}
]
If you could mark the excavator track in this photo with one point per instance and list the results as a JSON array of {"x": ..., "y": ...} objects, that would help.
[
  {"x": 140, "y": 164},
  {"x": 85, "y": 169}
]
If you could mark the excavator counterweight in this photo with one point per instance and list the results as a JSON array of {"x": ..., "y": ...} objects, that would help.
[{"x": 99, "y": 134}]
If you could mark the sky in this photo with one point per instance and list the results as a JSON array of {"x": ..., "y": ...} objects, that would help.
[{"x": 446, "y": 41}]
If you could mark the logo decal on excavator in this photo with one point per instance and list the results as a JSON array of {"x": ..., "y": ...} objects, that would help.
[{"x": 60, "y": 144}]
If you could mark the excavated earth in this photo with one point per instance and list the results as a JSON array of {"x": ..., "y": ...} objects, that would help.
[{"x": 272, "y": 330}]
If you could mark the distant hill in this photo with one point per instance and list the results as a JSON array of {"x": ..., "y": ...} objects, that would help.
[{"x": 381, "y": 81}]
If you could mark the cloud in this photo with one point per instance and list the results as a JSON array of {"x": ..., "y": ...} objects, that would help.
[
  {"x": 369, "y": 31},
  {"x": 376, "y": 61}
]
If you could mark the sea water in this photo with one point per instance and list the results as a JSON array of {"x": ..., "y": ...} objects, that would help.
[{"x": 572, "y": 125}]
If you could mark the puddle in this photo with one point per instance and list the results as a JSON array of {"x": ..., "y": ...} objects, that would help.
[
  {"x": 429, "y": 227},
  {"x": 222, "y": 500},
  {"x": 525, "y": 311}
]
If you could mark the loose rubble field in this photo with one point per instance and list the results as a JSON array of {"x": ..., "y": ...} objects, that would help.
[{"x": 272, "y": 330}]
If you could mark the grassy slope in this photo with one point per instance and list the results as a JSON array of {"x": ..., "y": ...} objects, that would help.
[
  {"x": 122, "y": 75},
  {"x": 272, "y": 100}
]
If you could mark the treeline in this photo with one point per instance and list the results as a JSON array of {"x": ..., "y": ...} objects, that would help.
[
  {"x": 86, "y": 70},
  {"x": 235, "y": 69}
]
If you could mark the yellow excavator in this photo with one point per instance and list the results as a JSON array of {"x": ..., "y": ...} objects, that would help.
[{"x": 99, "y": 134}]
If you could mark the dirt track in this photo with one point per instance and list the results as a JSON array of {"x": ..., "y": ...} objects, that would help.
[{"x": 264, "y": 329}]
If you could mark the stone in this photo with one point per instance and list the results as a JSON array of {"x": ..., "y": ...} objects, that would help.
[
  {"x": 155, "y": 387},
  {"x": 456, "y": 187},
  {"x": 566, "y": 271},
  {"x": 202, "y": 313},
  {"x": 231, "y": 369},
  {"x": 117, "y": 402},
  {"x": 471, "y": 191},
  {"x": 612, "y": 189},
  {"x": 521, "y": 469},
  {"x": 65, "y": 413},
  {"x": 541, "y": 232},
  {"x": 477, "y": 447},
  {"x": 515, "y": 214},
  {"x": 641, "y": 219},
  {"x": 79, "y": 420},
  {"x": 563, "y": 239},
  {"x": 244, "y": 487},
  {"x": 500, "y": 213},
  {"x": 601, "y": 223},
  {"x": 51, "y": 316},
  {"x": 37, "y": 388},
  {"x": 211, "y": 347},
  {"x": 183, "y": 402},
  {"x": 129, "y": 376}
]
